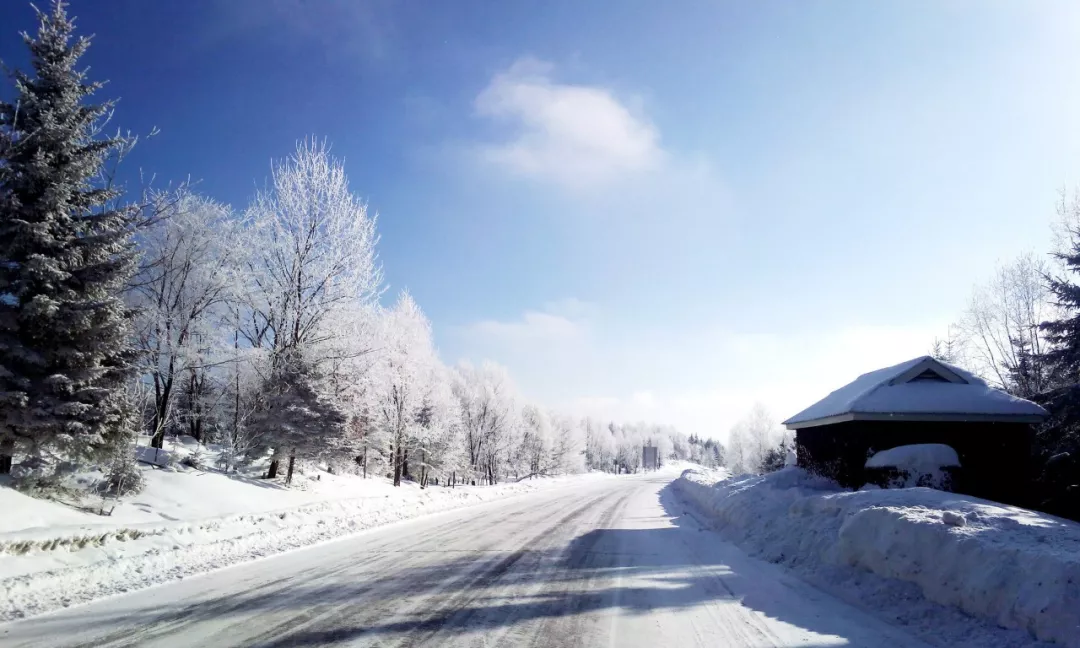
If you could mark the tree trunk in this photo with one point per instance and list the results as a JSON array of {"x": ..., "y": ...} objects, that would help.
[
  {"x": 271, "y": 472},
  {"x": 195, "y": 421},
  {"x": 405, "y": 462},
  {"x": 7, "y": 455},
  {"x": 423, "y": 468},
  {"x": 162, "y": 401},
  {"x": 397, "y": 465},
  {"x": 158, "y": 440},
  {"x": 289, "y": 472},
  {"x": 236, "y": 408}
]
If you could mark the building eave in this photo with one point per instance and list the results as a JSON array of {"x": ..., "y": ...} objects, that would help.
[{"x": 927, "y": 417}]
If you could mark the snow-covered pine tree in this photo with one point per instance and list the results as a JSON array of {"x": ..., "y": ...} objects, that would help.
[
  {"x": 1058, "y": 439},
  {"x": 298, "y": 417},
  {"x": 64, "y": 259},
  {"x": 1063, "y": 333}
]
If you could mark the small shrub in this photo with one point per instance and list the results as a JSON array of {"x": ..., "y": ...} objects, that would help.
[{"x": 123, "y": 476}]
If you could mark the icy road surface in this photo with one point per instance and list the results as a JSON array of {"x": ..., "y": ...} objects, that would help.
[{"x": 607, "y": 563}]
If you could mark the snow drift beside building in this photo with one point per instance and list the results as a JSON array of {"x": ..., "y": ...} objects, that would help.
[{"x": 1015, "y": 567}]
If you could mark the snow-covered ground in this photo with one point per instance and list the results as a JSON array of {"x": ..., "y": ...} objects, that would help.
[
  {"x": 914, "y": 554},
  {"x": 186, "y": 521},
  {"x": 614, "y": 562}
]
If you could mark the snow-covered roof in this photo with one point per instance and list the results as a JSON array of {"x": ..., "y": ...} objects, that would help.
[{"x": 921, "y": 389}]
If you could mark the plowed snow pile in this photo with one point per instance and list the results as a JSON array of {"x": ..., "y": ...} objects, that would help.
[{"x": 1018, "y": 568}]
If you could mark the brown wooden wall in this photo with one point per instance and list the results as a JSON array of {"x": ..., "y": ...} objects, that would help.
[{"x": 994, "y": 457}]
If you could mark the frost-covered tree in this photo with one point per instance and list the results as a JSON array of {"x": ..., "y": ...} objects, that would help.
[
  {"x": 762, "y": 433},
  {"x": 629, "y": 439},
  {"x": 567, "y": 454},
  {"x": 738, "y": 459},
  {"x": 435, "y": 443},
  {"x": 181, "y": 295},
  {"x": 350, "y": 353},
  {"x": 549, "y": 444},
  {"x": 751, "y": 439},
  {"x": 706, "y": 452},
  {"x": 65, "y": 256},
  {"x": 534, "y": 456},
  {"x": 1002, "y": 336},
  {"x": 489, "y": 417},
  {"x": 402, "y": 380},
  {"x": 243, "y": 378},
  {"x": 599, "y": 445},
  {"x": 310, "y": 251}
]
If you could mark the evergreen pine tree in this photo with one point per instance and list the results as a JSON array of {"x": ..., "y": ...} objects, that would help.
[
  {"x": 1063, "y": 334},
  {"x": 64, "y": 259},
  {"x": 298, "y": 419},
  {"x": 774, "y": 458},
  {"x": 1027, "y": 378}
]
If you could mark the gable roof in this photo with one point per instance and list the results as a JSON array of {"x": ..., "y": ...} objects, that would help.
[{"x": 921, "y": 389}]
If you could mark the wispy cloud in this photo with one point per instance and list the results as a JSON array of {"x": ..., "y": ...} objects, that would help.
[
  {"x": 730, "y": 372},
  {"x": 356, "y": 31},
  {"x": 701, "y": 381},
  {"x": 576, "y": 136},
  {"x": 532, "y": 327},
  {"x": 556, "y": 324}
]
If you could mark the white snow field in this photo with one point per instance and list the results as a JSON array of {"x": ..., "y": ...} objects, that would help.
[
  {"x": 188, "y": 521},
  {"x": 917, "y": 555},
  {"x": 615, "y": 562}
]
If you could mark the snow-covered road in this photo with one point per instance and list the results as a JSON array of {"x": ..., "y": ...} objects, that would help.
[{"x": 608, "y": 563}]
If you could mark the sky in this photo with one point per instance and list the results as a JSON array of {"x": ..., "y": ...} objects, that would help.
[{"x": 646, "y": 211}]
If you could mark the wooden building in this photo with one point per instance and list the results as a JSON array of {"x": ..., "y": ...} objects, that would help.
[{"x": 922, "y": 400}]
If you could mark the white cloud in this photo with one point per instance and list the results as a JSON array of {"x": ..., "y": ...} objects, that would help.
[
  {"x": 734, "y": 371},
  {"x": 700, "y": 381},
  {"x": 576, "y": 136},
  {"x": 557, "y": 325},
  {"x": 534, "y": 326},
  {"x": 571, "y": 308}
]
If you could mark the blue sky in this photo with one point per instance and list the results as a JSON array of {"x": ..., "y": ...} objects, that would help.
[{"x": 648, "y": 210}]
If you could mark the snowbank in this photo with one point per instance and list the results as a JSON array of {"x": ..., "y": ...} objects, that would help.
[
  {"x": 176, "y": 492},
  {"x": 183, "y": 493},
  {"x": 24, "y": 512},
  {"x": 921, "y": 457},
  {"x": 1017, "y": 568},
  {"x": 64, "y": 556}
]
